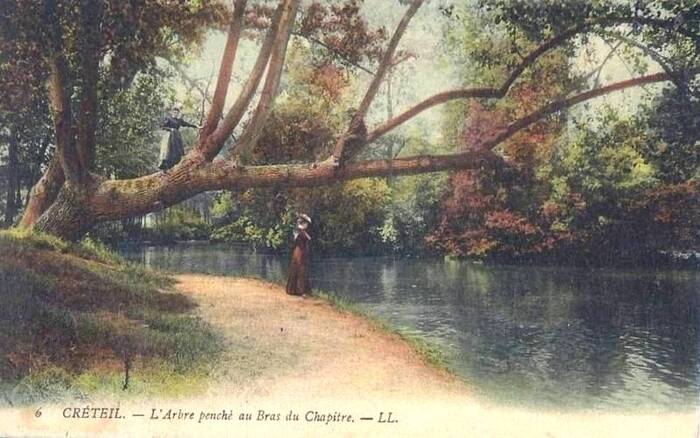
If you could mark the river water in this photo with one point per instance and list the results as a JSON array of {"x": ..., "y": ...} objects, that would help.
[{"x": 549, "y": 337}]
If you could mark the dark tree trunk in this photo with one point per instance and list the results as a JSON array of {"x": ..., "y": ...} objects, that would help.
[
  {"x": 43, "y": 193},
  {"x": 69, "y": 217},
  {"x": 12, "y": 182}
]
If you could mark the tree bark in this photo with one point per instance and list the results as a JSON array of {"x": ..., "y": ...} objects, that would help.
[
  {"x": 70, "y": 216},
  {"x": 43, "y": 193},
  {"x": 269, "y": 91},
  {"x": 91, "y": 14},
  {"x": 214, "y": 142},
  {"x": 225, "y": 68},
  {"x": 12, "y": 181},
  {"x": 59, "y": 86}
]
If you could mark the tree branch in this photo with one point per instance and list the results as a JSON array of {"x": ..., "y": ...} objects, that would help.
[
  {"x": 468, "y": 93},
  {"x": 269, "y": 91},
  {"x": 115, "y": 199},
  {"x": 91, "y": 14},
  {"x": 213, "y": 144},
  {"x": 225, "y": 68},
  {"x": 215, "y": 141},
  {"x": 430, "y": 102},
  {"x": 571, "y": 101},
  {"x": 653, "y": 54},
  {"x": 384, "y": 66},
  {"x": 599, "y": 69},
  {"x": 334, "y": 52},
  {"x": 59, "y": 98},
  {"x": 502, "y": 90}
]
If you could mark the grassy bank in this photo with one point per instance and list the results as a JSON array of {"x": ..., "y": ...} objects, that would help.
[
  {"x": 430, "y": 352},
  {"x": 78, "y": 321}
]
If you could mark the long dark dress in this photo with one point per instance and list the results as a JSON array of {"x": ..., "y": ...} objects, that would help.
[
  {"x": 171, "y": 152},
  {"x": 298, "y": 275}
]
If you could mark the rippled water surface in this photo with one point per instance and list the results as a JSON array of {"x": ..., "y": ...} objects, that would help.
[{"x": 554, "y": 337}]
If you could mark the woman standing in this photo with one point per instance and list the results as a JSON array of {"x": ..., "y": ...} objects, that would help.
[
  {"x": 298, "y": 275},
  {"x": 171, "y": 146}
]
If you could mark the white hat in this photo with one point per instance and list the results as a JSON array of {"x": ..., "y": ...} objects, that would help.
[{"x": 305, "y": 217}]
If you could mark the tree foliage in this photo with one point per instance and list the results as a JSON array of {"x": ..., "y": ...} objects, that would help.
[
  {"x": 597, "y": 187},
  {"x": 301, "y": 127},
  {"x": 90, "y": 59}
]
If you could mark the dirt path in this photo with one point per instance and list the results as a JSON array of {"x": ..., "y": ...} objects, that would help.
[
  {"x": 301, "y": 353},
  {"x": 287, "y": 354},
  {"x": 292, "y": 344}
]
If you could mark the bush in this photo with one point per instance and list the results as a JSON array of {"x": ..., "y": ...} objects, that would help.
[{"x": 178, "y": 223}]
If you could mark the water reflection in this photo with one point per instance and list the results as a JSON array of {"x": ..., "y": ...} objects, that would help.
[{"x": 558, "y": 337}]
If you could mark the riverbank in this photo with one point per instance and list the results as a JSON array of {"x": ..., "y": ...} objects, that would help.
[
  {"x": 77, "y": 321},
  {"x": 287, "y": 353},
  {"x": 303, "y": 354},
  {"x": 302, "y": 344},
  {"x": 284, "y": 353}
]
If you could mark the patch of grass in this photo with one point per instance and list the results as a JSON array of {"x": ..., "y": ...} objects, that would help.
[
  {"x": 430, "y": 352},
  {"x": 32, "y": 239},
  {"x": 75, "y": 316},
  {"x": 95, "y": 250},
  {"x": 49, "y": 383}
]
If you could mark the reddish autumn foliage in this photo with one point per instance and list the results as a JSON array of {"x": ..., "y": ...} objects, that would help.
[
  {"x": 488, "y": 210},
  {"x": 342, "y": 28},
  {"x": 505, "y": 211},
  {"x": 669, "y": 213},
  {"x": 338, "y": 30}
]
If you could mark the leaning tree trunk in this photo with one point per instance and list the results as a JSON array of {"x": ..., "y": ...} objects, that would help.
[
  {"x": 69, "y": 216},
  {"x": 43, "y": 193},
  {"x": 68, "y": 201}
]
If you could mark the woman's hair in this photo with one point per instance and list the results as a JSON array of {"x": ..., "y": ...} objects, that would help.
[{"x": 303, "y": 217}]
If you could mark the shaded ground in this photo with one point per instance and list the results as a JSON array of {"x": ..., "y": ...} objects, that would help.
[{"x": 74, "y": 319}]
